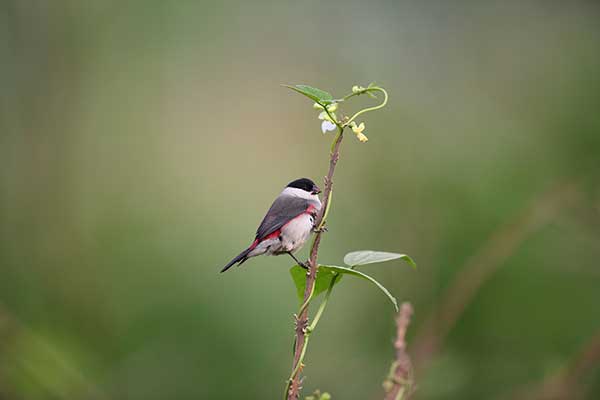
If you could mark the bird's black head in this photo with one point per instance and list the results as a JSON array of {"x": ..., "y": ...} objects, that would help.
[{"x": 305, "y": 184}]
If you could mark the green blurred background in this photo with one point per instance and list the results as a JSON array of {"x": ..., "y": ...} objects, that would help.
[{"x": 142, "y": 142}]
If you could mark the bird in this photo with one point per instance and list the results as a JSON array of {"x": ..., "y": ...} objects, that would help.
[{"x": 287, "y": 225}]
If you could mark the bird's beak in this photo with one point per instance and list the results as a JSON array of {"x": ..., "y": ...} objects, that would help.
[{"x": 316, "y": 190}]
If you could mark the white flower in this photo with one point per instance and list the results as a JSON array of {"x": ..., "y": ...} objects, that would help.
[
  {"x": 327, "y": 126},
  {"x": 325, "y": 117},
  {"x": 328, "y": 117}
]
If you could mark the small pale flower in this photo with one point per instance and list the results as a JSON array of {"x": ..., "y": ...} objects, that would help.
[
  {"x": 357, "y": 89},
  {"x": 327, "y": 126},
  {"x": 331, "y": 107},
  {"x": 325, "y": 117},
  {"x": 358, "y": 129}
]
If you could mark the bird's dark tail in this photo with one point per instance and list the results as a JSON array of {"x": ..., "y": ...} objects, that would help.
[{"x": 240, "y": 258}]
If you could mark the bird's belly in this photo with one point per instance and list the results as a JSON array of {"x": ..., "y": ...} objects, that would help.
[
  {"x": 295, "y": 233},
  {"x": 268, "y": 247}
]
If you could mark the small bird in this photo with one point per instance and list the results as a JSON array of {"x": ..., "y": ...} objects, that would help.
[{"x": 288, "y": 223}]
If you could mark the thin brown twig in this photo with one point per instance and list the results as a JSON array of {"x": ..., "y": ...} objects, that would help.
[
  {"x": 293, "y": 392},
  {"x": 399, "y": 383},
  {"x": 481, "y": 267}
]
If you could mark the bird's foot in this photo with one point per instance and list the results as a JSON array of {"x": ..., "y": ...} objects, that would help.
[
  {"x": 304, "y": 265},
  {"x": 320, "y": 230},
  {"x": 300, "y": 263}
]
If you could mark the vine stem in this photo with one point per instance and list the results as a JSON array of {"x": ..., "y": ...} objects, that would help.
[
  {"x": 377, "y": 107},
  {"x": 317, "y": 317},
  {"x": 302, "y": 331}
]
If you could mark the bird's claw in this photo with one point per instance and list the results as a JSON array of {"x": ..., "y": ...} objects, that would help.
[
  {"x": 320, "y": 230},
  {"x": 304, "y": 265}
]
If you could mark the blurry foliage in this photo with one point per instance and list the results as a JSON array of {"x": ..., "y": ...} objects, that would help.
[{"x": 129, "y": 140}]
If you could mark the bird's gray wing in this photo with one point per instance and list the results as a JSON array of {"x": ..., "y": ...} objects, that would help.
[{"x": 283, "y": 209}]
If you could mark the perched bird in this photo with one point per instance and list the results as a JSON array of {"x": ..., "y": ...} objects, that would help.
[{"x": 288, "y": 223}]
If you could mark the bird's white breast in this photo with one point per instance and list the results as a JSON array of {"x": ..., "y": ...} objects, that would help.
[{"x": 295, "y": 233}]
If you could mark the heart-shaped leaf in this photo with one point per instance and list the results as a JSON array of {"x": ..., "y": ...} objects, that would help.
[
  {"x": 353, "y": 272},
  {"x": 324, "y": 277},
  {"x": 317, "y": 95},
  {"x": 363, "y": 257}
]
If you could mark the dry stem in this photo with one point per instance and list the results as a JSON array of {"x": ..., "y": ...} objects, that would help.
[
  {"x": 293, "y": 391},
  {"x": 399, "y": 384}
]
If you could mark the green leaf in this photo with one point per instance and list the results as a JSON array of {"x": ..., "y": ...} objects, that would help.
[
  {"x": 324, "y": 277},
  {"x": 369, "y": 257},
  {"x": 317, "y": 95},
  {"x": 353, "y": 272}
]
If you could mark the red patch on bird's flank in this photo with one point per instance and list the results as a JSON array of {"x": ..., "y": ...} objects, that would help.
[
  {"x": 272, "y": 235},
  {"x": 310, "y": 210}
]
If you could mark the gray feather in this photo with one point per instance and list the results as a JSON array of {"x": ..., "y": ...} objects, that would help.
[{"x": 284, "y": 209}]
